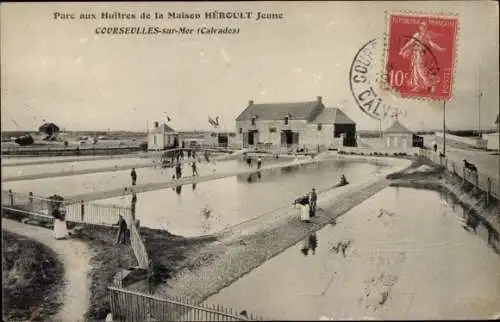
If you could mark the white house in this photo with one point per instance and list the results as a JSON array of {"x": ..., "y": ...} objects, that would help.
[
  {"x": 493, "y": 138},
  {"x": 295, "y": 125},
  {"x": 160, "y": 137},
  {"x": 397, "y": 136}
]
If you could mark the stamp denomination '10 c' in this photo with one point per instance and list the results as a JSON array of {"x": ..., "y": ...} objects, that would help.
[{"x": 420, "y": 55}]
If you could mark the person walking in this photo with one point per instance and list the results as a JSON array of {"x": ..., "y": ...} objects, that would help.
[
  {"x": 259, "y": 162},
  {"x": 312, "y": 203},
  {"x": 193, "y": 166},
  {"x": 133, "y": 175}
]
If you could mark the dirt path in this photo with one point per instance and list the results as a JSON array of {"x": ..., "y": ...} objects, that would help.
[{"x": 75, "y": 257}]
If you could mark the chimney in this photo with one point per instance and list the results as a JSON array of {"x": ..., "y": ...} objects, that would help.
[
  {"x": 320, "y": 99},
  {"x": 156, "y": 124},
  {"x": 250, "y": 103}
]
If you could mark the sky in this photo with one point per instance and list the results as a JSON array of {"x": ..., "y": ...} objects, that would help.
[{"x": 61, "y": 71}]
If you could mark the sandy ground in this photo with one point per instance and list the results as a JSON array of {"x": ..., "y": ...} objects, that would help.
[{"x": 75, "y": 257}]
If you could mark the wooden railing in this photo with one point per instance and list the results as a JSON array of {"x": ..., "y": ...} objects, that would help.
[
  {"x": 81, "y": 213},
  {"x": 478, "y": 179},
  {"x": 128, "y": 305}
]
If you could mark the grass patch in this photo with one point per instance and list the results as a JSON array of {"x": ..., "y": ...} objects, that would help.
[
  {"x": 169, "y": 254},
  {"x": 107, "y": 260},
  {"x": 31, "y": 278}
]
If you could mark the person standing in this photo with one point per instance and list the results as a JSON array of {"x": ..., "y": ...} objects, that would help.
[
  {"x": 195, "y": 171},
  {"x": 259, "y": 162},
  {"x": 249, "y": 161},
  {"x": 434, "y": 145},
  {"x": 60, "y": 229},
  {"x": 313, "y": 201},
  {"x": 122, "y": 228},
  {"x": 178, "y": 170},
  {"x": 303, "y": 204},
  {"x": 133, "y": 175}
]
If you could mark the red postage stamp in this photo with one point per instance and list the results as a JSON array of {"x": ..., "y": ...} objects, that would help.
[{"x": 420, "y": 55}]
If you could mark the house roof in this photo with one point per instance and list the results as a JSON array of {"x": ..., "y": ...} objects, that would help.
[
  {"x": 162, "y": 128},
  {"x": 278, "y": 111},
  {"x": 333, "y": 115},
  {"x": 397, "y": 127}
]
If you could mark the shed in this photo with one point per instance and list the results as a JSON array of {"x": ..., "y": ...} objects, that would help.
[
  {"x": 162, "y": 137},
  {"x": 397, "y": 136}
]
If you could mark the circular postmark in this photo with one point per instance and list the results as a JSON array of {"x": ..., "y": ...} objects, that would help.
[{"x": 364, "y": 82}]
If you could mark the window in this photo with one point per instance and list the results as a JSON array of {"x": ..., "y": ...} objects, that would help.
[
  {"x": 272, "y": 130},
  {"x": 286, "y": 120},
  {"x": 319, "y": 127},
  {"x": 241, "y": 130},
  {"x": 154, "y": 139},
  {"x": 253, "y": 120}
]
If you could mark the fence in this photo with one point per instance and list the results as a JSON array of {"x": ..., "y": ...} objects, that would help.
[
  {"x": 129, "y": 305},
  {"x": 478, "y": 179},
  {"x": 82, "y": 213},
  {"x": 76, "y": 211},
  {"x": 140, "y": 252},
  {"x": 476, "y": 142}
]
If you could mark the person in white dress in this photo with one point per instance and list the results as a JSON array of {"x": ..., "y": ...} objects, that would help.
[
  {"x": 302, "y": 203},
  {"x": 60, "y": 229}
]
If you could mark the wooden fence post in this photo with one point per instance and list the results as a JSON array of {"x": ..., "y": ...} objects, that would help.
[
  {"x": 30, "y": 198},
  {"x": 11, "y": 197},
  {"x": 488, "y": 191},
  {"x": 82, "y": 205}
]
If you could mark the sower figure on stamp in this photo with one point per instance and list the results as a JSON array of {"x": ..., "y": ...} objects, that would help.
[{"x": 414, "y": 49}]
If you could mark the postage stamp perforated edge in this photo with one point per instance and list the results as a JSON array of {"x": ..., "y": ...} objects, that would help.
[{"x": 385, "y": 50}]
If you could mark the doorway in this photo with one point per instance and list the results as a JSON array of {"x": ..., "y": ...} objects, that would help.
[
  {"x": 223, "y": 140},
  {"x": 288, "y": 137},
  {"x": 252, "y": 137}
]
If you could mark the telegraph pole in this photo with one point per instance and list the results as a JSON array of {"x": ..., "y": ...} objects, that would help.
[
  {"x": 480, "y": 94},
  {"x": 444, "y": 127}
]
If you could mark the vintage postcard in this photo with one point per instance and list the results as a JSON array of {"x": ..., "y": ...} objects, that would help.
[{"x": 245, "y": 161}]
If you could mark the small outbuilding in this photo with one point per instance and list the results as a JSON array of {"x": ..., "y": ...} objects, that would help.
[
  {"x": 162, "y": 137},
  {"x": 398, "y": 136},
  {"x": 49, "y": 129}
]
